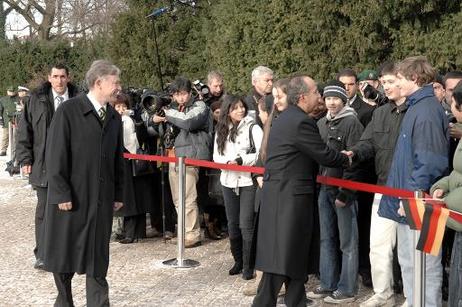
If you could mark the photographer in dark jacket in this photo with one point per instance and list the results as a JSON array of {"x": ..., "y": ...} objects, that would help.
[
  {"x": 192, "y": 125},
  {"x": 32, "y": 135}
]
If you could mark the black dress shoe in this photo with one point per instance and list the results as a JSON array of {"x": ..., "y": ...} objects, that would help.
[
  {"x": 128, "y": 241},
  {"x": 39, "y": 265}
]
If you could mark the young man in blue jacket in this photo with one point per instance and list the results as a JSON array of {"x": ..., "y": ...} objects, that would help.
[{"x": 420, "y": 158}]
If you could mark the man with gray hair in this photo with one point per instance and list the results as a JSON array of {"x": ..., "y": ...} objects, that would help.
[
  {"x": 262, "y": 83},
  {"x": 288, "y": 229},
  {"x": 84, "y": 172}
]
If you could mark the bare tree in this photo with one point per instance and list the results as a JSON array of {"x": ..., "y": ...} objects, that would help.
[
  {"x": 3, "y": 14},
  {"x": 38, "y": 14},
  {"x": 71, "y": 18}
]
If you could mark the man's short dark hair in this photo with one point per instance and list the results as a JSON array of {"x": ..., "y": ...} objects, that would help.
[
  {"x": 456, "y": 74},
  {"x": 58, "y": 66},
  {"x": 347, "y": 72},
  {"x": 180, "y": 84},
  {"x": 297, "y": 86}
]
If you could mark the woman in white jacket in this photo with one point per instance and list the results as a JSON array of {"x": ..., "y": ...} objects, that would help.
[{"x": 237, "y": 141}]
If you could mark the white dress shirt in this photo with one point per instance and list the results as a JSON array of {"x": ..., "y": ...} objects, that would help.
[
  {"x": 56, "y": 101},
  {"x": 95, "y": 103}
]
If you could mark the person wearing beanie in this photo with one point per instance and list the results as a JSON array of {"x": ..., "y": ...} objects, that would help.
[{"x": 341, "y": 130}]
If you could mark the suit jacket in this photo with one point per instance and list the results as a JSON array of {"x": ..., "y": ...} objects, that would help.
[
  {"x": 288, "y": 230},
  {"x": 84, "y": 166}
]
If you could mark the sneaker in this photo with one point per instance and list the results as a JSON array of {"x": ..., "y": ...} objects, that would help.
[
  {"x": 377, "y": 300},
  {"x": 319, "y": 292},
  {"x": 192, "y": 243},
  {"x": 338, "y": 297},
  {"x": 366, "y": 279}
]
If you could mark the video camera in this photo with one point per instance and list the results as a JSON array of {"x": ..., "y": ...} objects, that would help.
[
  {"x": 202, "y": 90},
  {"x": 372, "y": 94},
  {"x": 153, "y": 102}
]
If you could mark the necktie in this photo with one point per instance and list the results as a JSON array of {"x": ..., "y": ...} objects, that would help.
[
  {"x": 58, "y": 101},
  {"x": 102, "y": 113}
]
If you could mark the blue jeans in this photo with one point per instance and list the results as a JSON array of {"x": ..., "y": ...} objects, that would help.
[
  {"x": 455, "y": 275},
  {"x": 433, "y": 269},
  {"x": 338, "y": 225}
]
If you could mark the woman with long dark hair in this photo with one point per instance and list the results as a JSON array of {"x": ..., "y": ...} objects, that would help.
[{"x": 237, "y": 141}]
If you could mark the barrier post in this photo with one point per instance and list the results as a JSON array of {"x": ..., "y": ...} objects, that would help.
[
  {"x": 419, "y": 268},
  {"x": 180, "y": 262}
]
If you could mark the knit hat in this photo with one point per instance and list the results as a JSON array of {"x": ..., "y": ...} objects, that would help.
[
  {"x": 335, "y": 88},
  {"x": 368, "y": 74}
]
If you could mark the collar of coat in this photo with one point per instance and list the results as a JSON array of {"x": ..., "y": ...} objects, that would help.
[
  {"x": 44, "y": 91},
  {"x": 425, "y": 92},
  {"x": 175, "y": 105},
  {"x": 87, "y": 107}
]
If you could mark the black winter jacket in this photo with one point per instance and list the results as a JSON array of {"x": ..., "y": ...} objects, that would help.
[
  {"x": 33, "y": 130},
  {"x": 379, "y": 139},
  {"x": 341, "y": 133},
  {"x": 363, "y": 109}
]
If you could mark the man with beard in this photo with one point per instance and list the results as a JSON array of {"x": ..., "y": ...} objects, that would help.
[{"x": 84, "y": 166}]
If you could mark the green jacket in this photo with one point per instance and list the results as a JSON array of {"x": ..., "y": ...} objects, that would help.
[
  {"x": 8, "y": 108},
  {"x": 452, "y": 187}
]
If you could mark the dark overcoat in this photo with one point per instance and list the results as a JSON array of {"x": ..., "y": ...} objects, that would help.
[
  {"x": 33, "y": 131},
  {"x": 288, "y": 234},
  {"x": 84, "y": 166}
]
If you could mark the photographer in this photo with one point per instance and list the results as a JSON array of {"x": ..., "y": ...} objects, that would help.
[
  {"x": 369, "y": 85},
  {"x": 190, "y": 124}
]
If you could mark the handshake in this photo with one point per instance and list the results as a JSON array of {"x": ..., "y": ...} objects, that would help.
[{"x": 350, "y": 156}]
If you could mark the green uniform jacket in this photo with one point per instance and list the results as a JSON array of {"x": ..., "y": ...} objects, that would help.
[
  {"x": 452, "y": 187},
  {"x": 8, "y": 108}
]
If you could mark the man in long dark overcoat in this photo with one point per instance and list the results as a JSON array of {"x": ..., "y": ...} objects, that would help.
[
  {"x": 287, "y": 218},
  {"x": 32, "y": 136},
  {"x": 84, "y": 166}
]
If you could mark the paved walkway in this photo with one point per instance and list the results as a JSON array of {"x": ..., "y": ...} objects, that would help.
[{"x": 136, "y": 275}]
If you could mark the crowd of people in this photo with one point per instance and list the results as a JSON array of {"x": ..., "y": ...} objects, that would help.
[{"x": 395, "y": 126}]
